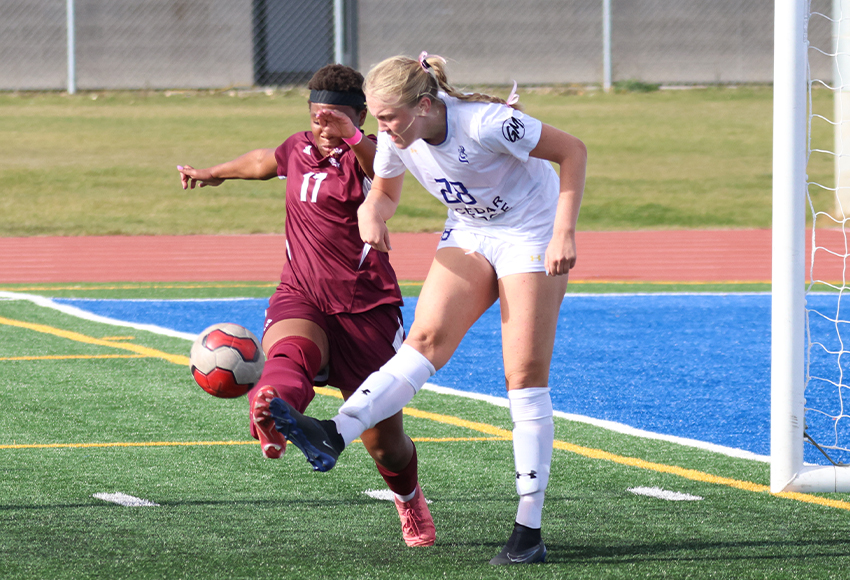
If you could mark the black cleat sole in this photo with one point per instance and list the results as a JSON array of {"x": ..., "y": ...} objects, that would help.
[{"x": 535, "y": 555}]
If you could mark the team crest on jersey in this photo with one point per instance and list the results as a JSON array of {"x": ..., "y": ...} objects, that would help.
[
  {"x": 513, "y": 129},
  {"x": 461, "y": 155},
  {"x": 334, "y": 162}
]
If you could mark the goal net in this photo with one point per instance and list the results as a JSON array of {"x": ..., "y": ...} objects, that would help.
[{"x": 810, "y": 351}]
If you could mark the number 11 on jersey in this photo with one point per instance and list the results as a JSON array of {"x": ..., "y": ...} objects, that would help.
[{"x": 305, "y": 184}]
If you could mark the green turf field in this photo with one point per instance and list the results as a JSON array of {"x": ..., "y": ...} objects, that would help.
[
  {"x": 85, "y": 414},
  {"x": 90, "y": 408},
  {"x": 98, "y": 163}
]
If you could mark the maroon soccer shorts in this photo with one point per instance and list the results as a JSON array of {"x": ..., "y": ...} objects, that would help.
[{"x": 359, "y": 343}]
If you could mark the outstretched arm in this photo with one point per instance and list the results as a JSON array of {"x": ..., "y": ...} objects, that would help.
[
  {"x": 379, "y": 206},
  {"x": 571, "y": 156},
  {"x": 257, "y": 164}
]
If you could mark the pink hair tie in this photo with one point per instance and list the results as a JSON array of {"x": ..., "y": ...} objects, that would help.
[
  {"x": 513, "y": 98},
  {"x": 423, "y": 60}
]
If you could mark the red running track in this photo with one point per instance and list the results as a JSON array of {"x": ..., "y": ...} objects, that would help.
[{"x": 656, "y": 256}]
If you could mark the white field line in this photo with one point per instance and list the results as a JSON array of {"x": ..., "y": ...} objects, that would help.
[
  {"x": 612, "y": 426},
  {"x": 664, "y": 494},
  {"x": 498, "y": 401},
  {"x": 124, "y": 499},
  {"x": 80, "y": 313}
]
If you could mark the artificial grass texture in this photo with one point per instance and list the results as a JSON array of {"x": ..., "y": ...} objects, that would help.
[{"x": 227, "y": 513}]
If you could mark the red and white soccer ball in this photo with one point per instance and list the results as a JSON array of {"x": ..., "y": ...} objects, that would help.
[{"x": 226, "y": 360}]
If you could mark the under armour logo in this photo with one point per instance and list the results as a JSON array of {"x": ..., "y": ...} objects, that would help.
[
  {"x": 536, "y": 258},
  {"x": 530, "y": 475},
  {"x": 513, "y": 129},
  {"x": 365, "y": 391}
]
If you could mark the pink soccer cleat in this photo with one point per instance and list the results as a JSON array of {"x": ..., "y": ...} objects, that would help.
[
  {"x": 417, "y": 525},
  {"x": 272, "y": 441}
]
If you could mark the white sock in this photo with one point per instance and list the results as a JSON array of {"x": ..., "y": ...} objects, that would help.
[
  {"x": 349, "y": 428},
  {"x": 533, "y": 437},
  {"x": 530, "y": 510},
  {"x": 384, "y": 393},
  {"x": 405, "y": 498}
]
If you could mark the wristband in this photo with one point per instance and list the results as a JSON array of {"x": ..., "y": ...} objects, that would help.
[{"x": 354, "y": 139}]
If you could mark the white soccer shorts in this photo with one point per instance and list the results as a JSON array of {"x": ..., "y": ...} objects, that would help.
[{"x": 506, "y": 258}]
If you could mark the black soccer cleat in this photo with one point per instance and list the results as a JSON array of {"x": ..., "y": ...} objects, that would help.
[
  {"x": 317, "y": 440},
  {"x": 524, "y": 547},
  {"x": 535, "y": 554}
]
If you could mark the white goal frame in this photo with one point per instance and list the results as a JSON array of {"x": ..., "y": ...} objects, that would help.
[{"x": 788, "y": 301}]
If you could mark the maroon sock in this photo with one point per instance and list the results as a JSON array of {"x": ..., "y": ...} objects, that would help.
[
  {"x": 404, "y": 481},
  {"x": 291, "y": 364}
]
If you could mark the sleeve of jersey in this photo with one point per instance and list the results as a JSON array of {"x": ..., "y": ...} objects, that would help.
[
  {"x": 281, "y": 154},
  {"x": 502, "y": 129},
  {"x": 388, "y": 163}
]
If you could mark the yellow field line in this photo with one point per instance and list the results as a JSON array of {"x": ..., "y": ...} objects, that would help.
[
  {"x": 82, "y": 287},
  {"x": 498, "y": 433},
  {"x": 211, "y": 443},
  {"x": 73, "y": 356},
  {"x": 133, "y": 287},
  {"x": 124, "y": 444},
  {"x": 76, "y": 336},
  {"x": 670, "y": 282},
  {"x": 695, "y": 475},
  {"x": 501, "y": 434}
]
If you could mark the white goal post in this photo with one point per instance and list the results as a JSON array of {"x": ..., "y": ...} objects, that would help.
[{"x": 790, "y": 339}]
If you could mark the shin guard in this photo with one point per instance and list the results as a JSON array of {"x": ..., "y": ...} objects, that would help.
[
  {"x": 533, "y": 438},
  {"x": 386, "y": 391}
]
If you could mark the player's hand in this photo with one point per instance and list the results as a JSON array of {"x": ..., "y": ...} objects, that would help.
[
  {"x": 336, "y": 124},
  {"x": 561, "y": 255},
  {"x": 189, "y": 176},
  {"x": 373, "y": 229}
]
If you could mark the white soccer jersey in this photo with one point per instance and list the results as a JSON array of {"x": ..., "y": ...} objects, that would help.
[{"x": 482, "y": 171}]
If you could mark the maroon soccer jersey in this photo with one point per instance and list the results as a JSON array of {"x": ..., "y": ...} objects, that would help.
[{"x": 327, "y": 260}]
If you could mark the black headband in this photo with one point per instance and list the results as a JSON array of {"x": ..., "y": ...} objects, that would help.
[{"x": 356, "y": 100}]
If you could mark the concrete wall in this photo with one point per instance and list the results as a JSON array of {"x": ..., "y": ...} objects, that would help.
[{"x": 129, "y": 44}]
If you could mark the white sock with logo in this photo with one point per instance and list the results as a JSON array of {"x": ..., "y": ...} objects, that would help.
[
  {"x": 384, "y": 393},
  {"x": 533, "y": 437}
]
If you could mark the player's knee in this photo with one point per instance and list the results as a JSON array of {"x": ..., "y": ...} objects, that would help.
[
  {"x": 299, "y": 349},
  {"x": 430, "y": 345},
  {"x": 531, "y": 375}
]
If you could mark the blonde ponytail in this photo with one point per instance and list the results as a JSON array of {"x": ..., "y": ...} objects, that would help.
[{"x": 401, "y": 81}]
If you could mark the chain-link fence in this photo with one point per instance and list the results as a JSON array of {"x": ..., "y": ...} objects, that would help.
[{"x": 119, "y": 44}]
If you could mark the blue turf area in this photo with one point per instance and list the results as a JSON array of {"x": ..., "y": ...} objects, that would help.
[{"x": 690, "y": 365}]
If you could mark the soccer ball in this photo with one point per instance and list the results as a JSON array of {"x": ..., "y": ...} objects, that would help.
[{"x": 226, "y": 360}]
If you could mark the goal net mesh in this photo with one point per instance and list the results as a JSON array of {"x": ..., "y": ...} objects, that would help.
[{"x": 827, "y": 393}]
